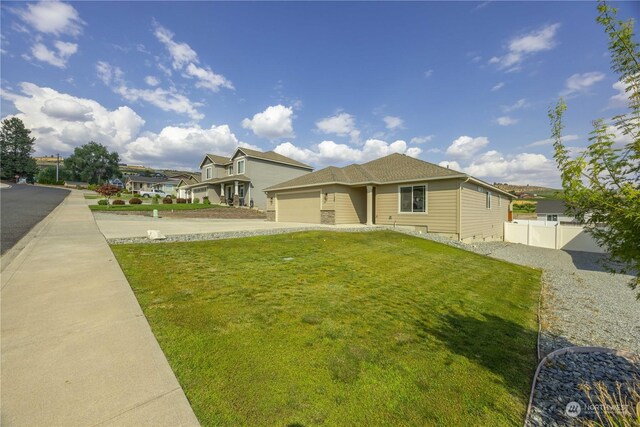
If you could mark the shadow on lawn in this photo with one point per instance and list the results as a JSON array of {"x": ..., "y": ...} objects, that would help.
[{"x": 507, "y": 349}]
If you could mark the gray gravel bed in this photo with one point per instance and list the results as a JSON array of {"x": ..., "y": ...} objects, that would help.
[{"x": 559, "y": 398}]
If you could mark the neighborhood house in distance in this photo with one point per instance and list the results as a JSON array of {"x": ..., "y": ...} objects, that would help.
[
  {"x": 394, "y": 190},
  {"x": 240, "y": 180}
]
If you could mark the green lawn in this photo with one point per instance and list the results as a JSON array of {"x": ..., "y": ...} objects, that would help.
[
  {"x": 160, "y": 206},
  {"x": 346, "y": 329}
]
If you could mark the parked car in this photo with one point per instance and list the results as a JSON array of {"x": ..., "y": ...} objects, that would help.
[{"x": 153, "y": 193}]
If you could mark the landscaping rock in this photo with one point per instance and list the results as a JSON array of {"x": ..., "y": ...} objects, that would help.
[{"x": 155, "y": 235}]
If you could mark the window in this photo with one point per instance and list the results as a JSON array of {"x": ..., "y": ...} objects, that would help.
[
  {"x": 499, "y": 201},
  {"x": 230, "y": 170},
  {"x": 488, "y": 199},
  {"x": 552, "y": 217},
  {"x": 413, "y": 198},
  {"x": 209, "y": 172},
  {"x": 240, "y": 167},
  {"x": 241, "y": 190}
]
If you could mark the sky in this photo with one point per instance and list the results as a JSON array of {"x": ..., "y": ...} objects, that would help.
[{"x": 460, "y": 84}]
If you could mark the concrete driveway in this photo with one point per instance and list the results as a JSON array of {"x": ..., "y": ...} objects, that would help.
[{"x": 115, "y": 226}]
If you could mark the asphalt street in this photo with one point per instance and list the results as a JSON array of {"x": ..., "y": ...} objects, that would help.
[{"x": 23, "y": 206}]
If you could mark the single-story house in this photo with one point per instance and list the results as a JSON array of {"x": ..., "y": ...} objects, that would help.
[
  {"x": 553, "y": 210},
  {"x": 169, "y": 185},
  {"x": 240, "y": 180},
  {"x": 395, "y": 190},
  {"x": 137, "y": 183}
]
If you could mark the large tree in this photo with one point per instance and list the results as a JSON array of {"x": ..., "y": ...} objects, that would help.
[
  {"x": 92, "y": 163},
  {"x": 602, "y": 184},
  {"x": 17, "y": 147}
]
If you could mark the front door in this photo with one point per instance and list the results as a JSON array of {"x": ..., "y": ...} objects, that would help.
[{"x": 229, "y": 194}]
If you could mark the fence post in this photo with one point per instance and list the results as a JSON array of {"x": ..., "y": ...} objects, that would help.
[
  {"x": 557, "y": 233},
  {"x": 528, "y": 232}
]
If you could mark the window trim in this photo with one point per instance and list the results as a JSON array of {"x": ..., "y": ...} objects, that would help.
[
  {"x": 488, "y": 200},
  {"x": 426, "y": 198},
  {"x": 499, "y": 200},
  {"x": 230, "y": 170},
  {"x": 208, "y": 172},
  {"x": 244, "y": 165}
]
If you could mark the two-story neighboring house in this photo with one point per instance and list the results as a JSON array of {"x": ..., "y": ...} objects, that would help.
[{"x": 241, "y": 179}]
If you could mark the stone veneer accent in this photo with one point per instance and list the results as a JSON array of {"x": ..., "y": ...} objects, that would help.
[
  {"x": 328, "y": 217},
  {"x": 271, "y": 216}
]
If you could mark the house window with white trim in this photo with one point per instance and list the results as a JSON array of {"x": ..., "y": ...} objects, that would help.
[
  {"x": 413, "y": 199},
  {"x": 230, "y": 170},
  {"x": 209, "y": 172},
  {"x": 240, "y": 167},
  {"x": 488, "y": 199},
  {"x": 499, "y": 201}
]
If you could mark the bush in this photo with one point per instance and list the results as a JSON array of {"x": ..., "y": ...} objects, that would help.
[
  {"x": 155, "y": 200},
  {"x": 103, "y": 202},
  {"x": 196, "y": 200},
  {"x": 118, "y": 202},
  {"x": 92, "y": 187},
  {"x": 135, "y": 201},
  {"x": 167, "y": 200},
  {"x": 181, "y": 200},
  {"x": 173, "y": 196},
  {"x": 205, "y": 200},
  {"x": 188, "y": 200}
]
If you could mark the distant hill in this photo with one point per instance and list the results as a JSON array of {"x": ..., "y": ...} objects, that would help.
[{"x": 538, "y": 192}]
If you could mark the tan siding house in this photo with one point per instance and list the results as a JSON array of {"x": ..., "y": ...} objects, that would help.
[{"x": 394, "y": 190}]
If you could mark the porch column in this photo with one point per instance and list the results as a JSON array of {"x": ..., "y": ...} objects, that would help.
[
  {"x": 223, "y": 197},
  {"x": 235, "y": 188},
  {"x": 369, "y": 204},
  {"x": 236, "y": 198}
]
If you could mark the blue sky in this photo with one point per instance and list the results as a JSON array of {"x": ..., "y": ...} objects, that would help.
[{"x": 329, "y": 83}]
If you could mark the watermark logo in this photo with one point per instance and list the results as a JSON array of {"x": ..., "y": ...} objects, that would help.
[{"x": 572, "y": 410}]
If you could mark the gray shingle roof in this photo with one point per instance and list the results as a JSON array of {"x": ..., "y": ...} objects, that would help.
[
  {"x": 550, "y": 207},
  {"x": 388, "y": 169},
  {"x": 273, "y": 156}
]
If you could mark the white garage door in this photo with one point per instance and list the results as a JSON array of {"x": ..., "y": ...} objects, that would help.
[{"x": 299, "y": 207}]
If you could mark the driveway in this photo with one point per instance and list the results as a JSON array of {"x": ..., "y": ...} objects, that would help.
[
  {"x": 23, "y": 206},
  {"x": 130, "y": 226}
]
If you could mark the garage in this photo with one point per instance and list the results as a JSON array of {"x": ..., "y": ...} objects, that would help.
[{"x": 299, "y": 207}]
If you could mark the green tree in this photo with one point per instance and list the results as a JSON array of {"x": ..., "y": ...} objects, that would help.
[
  {"x": 602, "y": 184},
  {"x": 16, "y": 149},
  {"x": 92, "y": 163},
  {"x": 48, "y": 175}
]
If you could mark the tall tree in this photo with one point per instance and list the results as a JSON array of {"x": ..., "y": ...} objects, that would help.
[
  {"x": 92, "y": 163},
  {"x": 602, "y": 184},
  {"x": 16, "y": 149}
]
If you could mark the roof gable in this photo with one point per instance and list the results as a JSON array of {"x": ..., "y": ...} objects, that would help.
[
  {"x": 270, "y": 156},
  {"x": 215, "y": 159}
]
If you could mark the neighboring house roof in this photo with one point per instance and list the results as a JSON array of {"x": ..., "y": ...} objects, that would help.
[
  {"x": 188, "y": 181},
  {"x": 550, "y": 207},
  {"x": 394, "y": 168},
  {"x": 137, "y": 178},
  {"x": 170, "y": 181},
  {"x": 230, "y": 178},
  {"x": 271, "y": 156}
]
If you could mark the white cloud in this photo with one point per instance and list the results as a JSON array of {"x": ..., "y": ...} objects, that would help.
[
  {"x": 165, "y": 99},
  {"x": 497, "y": 87},
  {"x": 581, "y": 82},
  {"x": 274, "y": 122},
  {"x": 428, "y": 73},
  {"x": 151, "y": 81},
  {"x": 451, "y": 165},
  {"x": 523, "y": 168},
  {"x": 506, "y": 121},
  {"x": 550, "y": 141},
  {"x": 179, "y": 147},
  {"x": 331, "y": 153},
  {"x": 57, "y": 59},
  {"x": 621, "y": 99},
  {"x": 519, "y": 48},
  {"x": 185, "y": 58},
  {"x": 61, "y": 122},
  {"x": 421, "y": 139},
  {"x": 181, "y": 53},
  {"x": 343, "y": 124},
  {"x": 520, "y": 103},
  {"x": 393, "y": 122},
  {"x": 52, "y": 17},
  {"x": 465, "y": 146}
]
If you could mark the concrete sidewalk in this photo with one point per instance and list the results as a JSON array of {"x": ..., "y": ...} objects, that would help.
[{"x": 76, "y": 348}]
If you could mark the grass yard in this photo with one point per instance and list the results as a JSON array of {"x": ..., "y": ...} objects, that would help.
[
  {"x": 326, "y": 328},
  {"x": 144, "y": 207}
]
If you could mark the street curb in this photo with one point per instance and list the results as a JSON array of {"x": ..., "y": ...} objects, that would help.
[{"x": 13, "y": 255}]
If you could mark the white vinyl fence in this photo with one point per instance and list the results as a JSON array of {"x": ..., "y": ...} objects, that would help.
[{"x": 550, "y": 235}]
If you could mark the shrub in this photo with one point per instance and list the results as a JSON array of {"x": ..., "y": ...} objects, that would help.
[
  {"x": 173, "y": 196},
  {"x": 135, "y": 201},
  {"x": 196, "y": 200},
  {"x": 118, "y": 202},
  {"x": 103, "y": 202},
  {"x": 155, "y": 200},
  {"x": 181, "y": 200},
  {"x": 205, "y": 200},
  {"x": 167, "y": 200},
  {"x": 92, "y": 187},
  {"x": 188, "y": 200}
]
